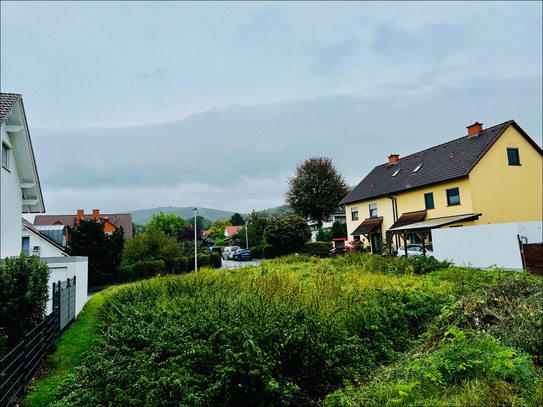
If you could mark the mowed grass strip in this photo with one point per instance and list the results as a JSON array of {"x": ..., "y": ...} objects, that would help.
[{"x": 69, "y": 351}]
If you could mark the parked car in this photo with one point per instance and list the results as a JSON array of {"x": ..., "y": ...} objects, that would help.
[
  {"x": 242, "y": 254},
  {"x": 415, "y": 249},
  {"x": 336, "y": 251},
  {"x": 215, "y": 249},
  {"x": 228, "y": 252}
]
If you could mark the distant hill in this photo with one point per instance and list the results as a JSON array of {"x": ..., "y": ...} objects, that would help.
[{"x": 143, "y": 216}]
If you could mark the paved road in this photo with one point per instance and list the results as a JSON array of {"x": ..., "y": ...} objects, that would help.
[{"x": 234, "y": 264}]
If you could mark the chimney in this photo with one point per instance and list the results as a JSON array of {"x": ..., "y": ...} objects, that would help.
[
  {"x": 96, "y": 214},
  {"x": 392, "y": 158},
  {"x": 475, "y": 128},
  {"x": 80, "y": 214}
]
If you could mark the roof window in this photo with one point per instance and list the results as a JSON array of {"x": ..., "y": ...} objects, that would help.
[
  {"x": 417, "y": 168},
  {"x": 396, "y": 172}
]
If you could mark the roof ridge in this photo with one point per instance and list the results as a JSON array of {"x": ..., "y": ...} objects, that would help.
[{"x": 450, "y": 141}]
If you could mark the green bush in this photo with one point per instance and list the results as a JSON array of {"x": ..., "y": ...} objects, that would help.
[
  {"x": 426, "y": 264},
  {"x": 203, "y": 260},
  {"x": 215, "y": 259},
  {"x": 101, "y": 280},
  {"x": 125, "y": 274},
  {"x": 23, "y": 298},
  {"x": 140, "y": 268},
  {"x": 317, "y": 248},
  {"x": 191, "y": 263},
  {"x": 183, "y": 264},
  {"x": 272, "y": 252},
  {"x": 257, "y": 252}
]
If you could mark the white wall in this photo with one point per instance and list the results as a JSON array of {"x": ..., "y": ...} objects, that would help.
[
  {"x": 530, "y": 232},
  {"x": 46, "y": 248},
  {"x": 483, "y": 246},
  {"x": 68, "y": 267},
  {"x": 10, "y": 205}
]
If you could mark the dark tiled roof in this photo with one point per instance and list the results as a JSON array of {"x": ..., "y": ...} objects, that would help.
[
  {"x": 7, "y": 101},
  {"x": 446, "y": 161},
  {"x": 408, "y": 218},
  {"x": 117, "y": 220},
  {"x": 367, "y": 226}
]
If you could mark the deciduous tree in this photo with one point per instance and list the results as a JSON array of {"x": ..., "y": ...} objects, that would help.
[
  {"x": 316, "y": 189},
  {"x": 170, "y": 224}
]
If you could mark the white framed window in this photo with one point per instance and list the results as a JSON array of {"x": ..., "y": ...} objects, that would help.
[
  {"x": 373, "y": 210},
  {"x": 354, "y": 213}
]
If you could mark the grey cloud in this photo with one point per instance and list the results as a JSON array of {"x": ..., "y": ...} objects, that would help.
[
  {"x": 430, "y": 42},
  {"x": 331, "y": 58}
]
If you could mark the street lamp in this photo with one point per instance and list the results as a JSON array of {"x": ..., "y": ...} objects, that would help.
[
  {"x": 195, "y": 244},
  {"x": 246, "y": 235}
]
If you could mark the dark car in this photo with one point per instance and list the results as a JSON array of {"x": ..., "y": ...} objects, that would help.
[
  {"x": 242, "y": 254},
  {"x": 337, "y": 251},
  {"x": 215, "y": 249}
]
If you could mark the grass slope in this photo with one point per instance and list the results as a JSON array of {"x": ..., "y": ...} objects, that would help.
[{"x": 69, "y": 351}]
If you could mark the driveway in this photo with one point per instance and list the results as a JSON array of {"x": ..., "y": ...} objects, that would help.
[{"x": 234, "y": 264}]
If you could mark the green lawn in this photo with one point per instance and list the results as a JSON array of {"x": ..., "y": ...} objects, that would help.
[{"x": 69, "y": 350}]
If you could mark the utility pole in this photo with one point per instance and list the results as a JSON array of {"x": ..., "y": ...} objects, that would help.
[
  {"x": 195, "y": 243},
  {"x": 246, "y": 235}
]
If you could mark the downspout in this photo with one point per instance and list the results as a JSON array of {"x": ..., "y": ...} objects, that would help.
[{"x": 394, "y": 214}]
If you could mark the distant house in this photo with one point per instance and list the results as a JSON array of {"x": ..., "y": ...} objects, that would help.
[
  {"x": 230, "y": 231},
  {"x": 111, "y": 222},
  {"x": 20, "y": 190},
  {"x": 339, "y": 215},
  {"x": 488, "y": 176},
  {"x": 35, "y": 242}
]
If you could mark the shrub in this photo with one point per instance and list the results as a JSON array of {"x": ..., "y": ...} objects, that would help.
[
  {"x": 124, "y": 274},
  {"x": 191, "y": 263},
  {"x": 183, "y": 264},
  {"x": 101, "y": 280},
  {"x": 317, "y": 248},
  {"x": 203, "y": 260},
  {"x": 272, "y": 252},
  {"x": 426, "y": 264},
  {"x": 257, "y": 252},
  {"x": 140, "y": 268},
  {"x": 215, "y": 259},
  {"x": 23, "y": 297}
]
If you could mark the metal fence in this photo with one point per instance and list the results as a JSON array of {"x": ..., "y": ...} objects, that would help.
[{"x": 20, "y": 366}]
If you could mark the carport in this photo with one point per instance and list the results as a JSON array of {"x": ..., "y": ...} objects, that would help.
[{"x": 423, "y": 229}]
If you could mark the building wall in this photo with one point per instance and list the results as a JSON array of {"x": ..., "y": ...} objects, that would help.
[
  {"x": 413, "y": 200},
  {"x": 10, "y": 205},
  {"x": 508, "y": 193},
  {"x": 484, "y": 246},
  {"x": 68, "y": 267}
]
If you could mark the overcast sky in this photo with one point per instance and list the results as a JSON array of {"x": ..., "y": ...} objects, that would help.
[{"x": 133, "y": 105}]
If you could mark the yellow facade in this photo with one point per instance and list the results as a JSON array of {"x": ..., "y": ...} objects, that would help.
[
  {"x": 508, "y": 193},
  {"x": 501, "y": 192}
]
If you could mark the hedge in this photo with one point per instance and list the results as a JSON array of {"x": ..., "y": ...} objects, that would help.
[
  {"x": 215, "y": 259},
  {"x": 317, "y": 248},
  {"x": 271, "y": 252}
]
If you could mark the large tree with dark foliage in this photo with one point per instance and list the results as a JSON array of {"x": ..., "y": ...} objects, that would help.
[
  {"x": 103, "y": 250},
  {"x": 237, "y": 220},
  {"x": 255, "y": 232},
  {"x": 316, "y": 189}
]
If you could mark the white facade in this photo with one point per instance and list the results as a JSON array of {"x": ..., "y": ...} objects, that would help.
[
  {"x": 484, "y": 246},
  {"x": 40, "y": 245},
  {"x": 20, "y": 190}
]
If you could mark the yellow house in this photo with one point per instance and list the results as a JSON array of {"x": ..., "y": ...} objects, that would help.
[{"x": 488, "y": 176}]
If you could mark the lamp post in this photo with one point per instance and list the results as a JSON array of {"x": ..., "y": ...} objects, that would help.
[
  {"x": 246, "y": 235},
  {"x": 195, "y": 244}
]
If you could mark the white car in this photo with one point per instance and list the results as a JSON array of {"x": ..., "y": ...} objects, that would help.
[
  {"x": 415, "y": 249},
  {"x": 228, "y": 252}
]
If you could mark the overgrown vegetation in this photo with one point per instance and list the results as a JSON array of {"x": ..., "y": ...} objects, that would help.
[{"x": 350, "y": 331}]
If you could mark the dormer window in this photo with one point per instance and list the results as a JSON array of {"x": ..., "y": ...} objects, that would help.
[
  {"x": 396, "y": 172},
  {"x": 417, "y": 168}
]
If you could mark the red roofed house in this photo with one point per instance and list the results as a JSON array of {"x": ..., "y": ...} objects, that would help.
[
  {"x": 111, "y": 222},
  {"x": 230, "y": 231}
]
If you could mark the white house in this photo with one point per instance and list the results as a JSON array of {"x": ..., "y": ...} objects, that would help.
[
  {"x": 21, "y": 193},
  {"x": 20, "y": 190}
]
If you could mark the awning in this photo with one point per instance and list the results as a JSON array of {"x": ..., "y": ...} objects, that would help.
[
  {"x": 434, "y": 223},
  {"x": 367, "y": 226},
  {"x": 409, "y": 218}
]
